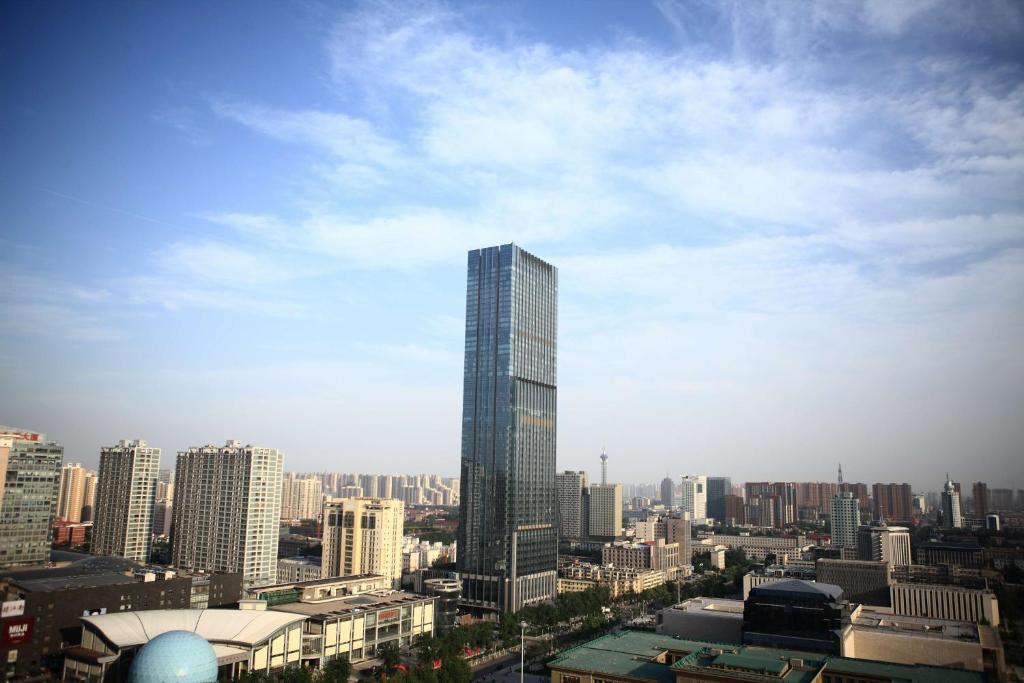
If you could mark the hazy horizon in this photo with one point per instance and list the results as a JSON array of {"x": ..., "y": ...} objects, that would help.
[{"x": 788, "y": 235}]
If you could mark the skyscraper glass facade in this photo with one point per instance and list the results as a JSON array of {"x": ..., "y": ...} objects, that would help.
[{"x": 507, "y": 535}]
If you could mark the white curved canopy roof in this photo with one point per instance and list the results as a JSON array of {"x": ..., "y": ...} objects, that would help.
[{"x": 226, "y": 626}]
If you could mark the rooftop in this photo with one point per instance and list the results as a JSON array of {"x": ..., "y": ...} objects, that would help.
[
  {"x": 223, "y": 626},
  {"x": 799, "y": 587},
  {"x": 91, "y": 571},
  {"x": 627, "y": 653},
  {"x": 634, "y": 654},
  {"x": 351, "y": 604}
]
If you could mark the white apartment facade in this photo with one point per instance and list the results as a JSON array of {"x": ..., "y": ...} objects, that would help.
[
  {"x": 363, "y": 536},
  {"x": 227, "y": 510},
  {"x": 125, "y": 494},
  {"x": 605, "y": 511}
]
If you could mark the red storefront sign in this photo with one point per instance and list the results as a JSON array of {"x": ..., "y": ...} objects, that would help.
[{"x": 17, "y": 631}]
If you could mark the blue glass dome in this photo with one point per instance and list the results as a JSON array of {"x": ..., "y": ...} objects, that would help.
[{"x": 175, "y": 657}]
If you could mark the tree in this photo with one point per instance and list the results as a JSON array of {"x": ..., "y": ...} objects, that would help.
[
  {"x": 389, "y": 655},
  {"x": 336, "y": 671},
  {"x": 770, "y": 559}
]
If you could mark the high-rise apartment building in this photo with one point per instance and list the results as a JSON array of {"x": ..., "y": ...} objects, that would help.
[
  {"x": 693, "y": 496},
  {"x": 718, "y": 489},
  {"x": 227, "y": 509},
  {"x": 572, "y": 487},
  {"x": 71, "y": 492},
  {"x": 892, "y": 502},
  {"x": 860, "y": 492},
  {"x": 165, "y": 485},
  {"x": 124, "y": 500},
  {"x": 92, "y": 481},
  {"x": 28, "y": 495},
  {"x": 667, "y": 485},
  {"x": 952, "y": 517},
  {"x": 508, "y": 503},
  {"x": 979, "y": 492},
  {"x": 605, "y": 511},
  {"x": 363, "y": 536},
  {"x": 1000, "y": 500},
  {"x": 301, "y": 497},
  {"x": 845, "y": 520}
]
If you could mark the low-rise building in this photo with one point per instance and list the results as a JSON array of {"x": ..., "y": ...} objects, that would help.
[
  {"x": 881, "y": 635},
  {"x": 713, "y": 619},
  {"x": 299, "y": 568},
  {"x": 319, "y": 589},
  {"x": 759, "y": 577},
  {"x": 641, "y": 657},
  {"x": 618, "y": 580},
  {"x": 758, "y": 547},
  {"x": 243, "y": 641},
  {"x": 355, "y": 626},
  {"x": 968, "y": 555}
]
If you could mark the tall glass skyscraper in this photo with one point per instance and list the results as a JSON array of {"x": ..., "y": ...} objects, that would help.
[{"x": 507, "y": 536}]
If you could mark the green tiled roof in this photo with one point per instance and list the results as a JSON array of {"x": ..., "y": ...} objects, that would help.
[
  {"x": 730, "y": 660},
  {"x": 628, "y": 654}
]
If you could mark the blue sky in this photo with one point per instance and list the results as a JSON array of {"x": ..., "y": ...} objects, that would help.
[{"x": 788, "y": 234}]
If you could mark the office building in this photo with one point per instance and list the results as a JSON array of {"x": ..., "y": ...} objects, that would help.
[
  {"x": 507, "y": 539},
  {"x": 949, "y": 603},
  {"x": 363, "y": 536},
  {"x": 124, "y": 500},
  {"x": 794, "y": 614},
  {"x": 718, "y": 489},
  {"x": 92, "y": 481},
  {"x": 71, "y": 492},
  {"x": 845, "y": 516},
  {"x": 892, "y": 502},
  {"x": 968, "y": 555},
  {"x": 605, "y": 511},
  {"x": 227, "y": 510},
  {"x": 647, "y": 555},
  {"x": 717, "y": 620},
  {"x": 760, "y": 547},
  {"x": 28, "y": 495},
  {"x": 572, "y": 487},
  {"x": 884, "y": 544},
  {"x": 980, "y": 504},
  {"x": 667, "y": 487},
  {"x": 672, "y": 528},
  {"x": 301, "y": 497},
  {"x": 693, "y": 496},
  {"x": 952, "y": 516},
  {"x": 862, "y": 581}
]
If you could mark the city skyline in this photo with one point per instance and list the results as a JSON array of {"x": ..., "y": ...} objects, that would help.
[{"x": 772, "y": 256}]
